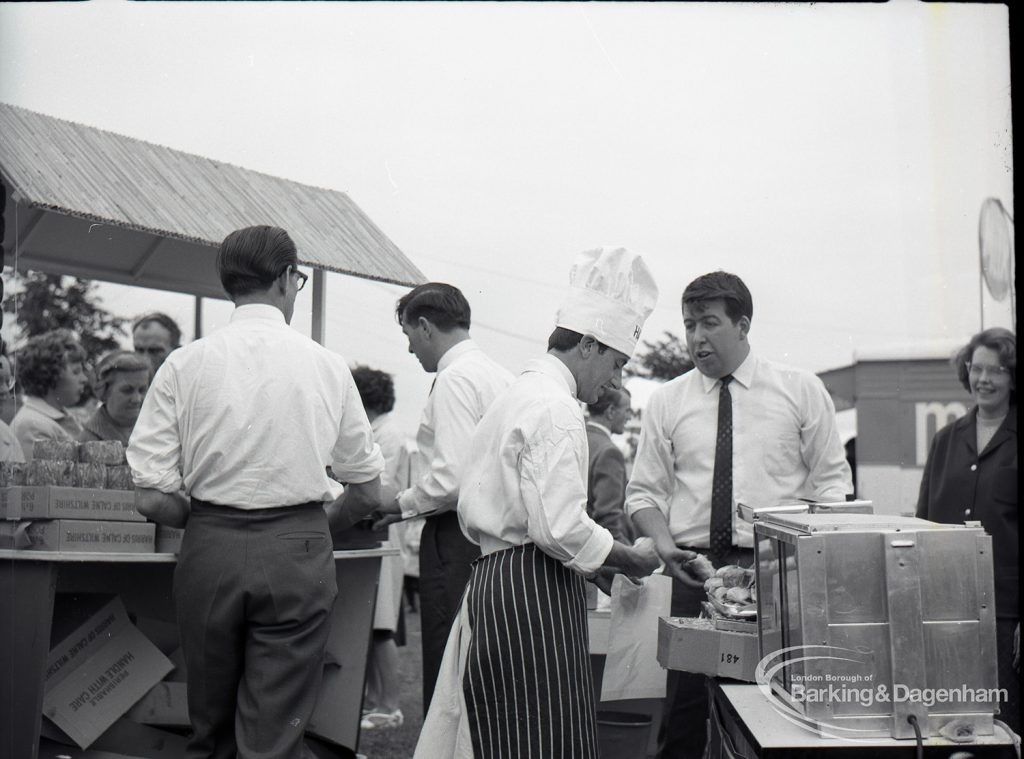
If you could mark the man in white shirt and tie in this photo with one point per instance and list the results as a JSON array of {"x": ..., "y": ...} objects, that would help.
[
  {"x": 740, "y": 429},
  {"x": 246, "y": 422},
  {"x": 435, "y": 318},
  {"x": 516, "y": 678}
]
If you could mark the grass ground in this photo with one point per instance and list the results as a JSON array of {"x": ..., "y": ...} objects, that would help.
[{"x": 399, "y": 742}]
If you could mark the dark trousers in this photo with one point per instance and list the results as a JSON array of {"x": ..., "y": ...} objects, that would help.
[
  {"x": 445, "y": 564},
  {"x": 683, "y": 730},
  {"x": 253, "y": 592}
]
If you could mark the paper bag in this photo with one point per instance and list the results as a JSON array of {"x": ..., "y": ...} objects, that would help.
[{"x": 631, "y": 667}]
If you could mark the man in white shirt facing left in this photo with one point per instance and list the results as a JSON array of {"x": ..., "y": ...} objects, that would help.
[
  {"x": 435, "y": 318},
  {"x": 516, "y": 678},
  {"x": 739, "y": 429},
  {"x": 246, "y": 422}
]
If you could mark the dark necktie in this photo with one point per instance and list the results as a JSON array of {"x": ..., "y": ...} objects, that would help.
[{"x": 721, "y": 482}]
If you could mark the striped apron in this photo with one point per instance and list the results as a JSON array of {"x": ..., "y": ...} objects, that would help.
[{"x": 519, "y": 651}]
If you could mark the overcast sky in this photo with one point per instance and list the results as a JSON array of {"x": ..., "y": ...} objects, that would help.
[{"x": 833, "y": 156}]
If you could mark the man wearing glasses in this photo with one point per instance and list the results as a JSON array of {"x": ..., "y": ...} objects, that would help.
[
  {"x": 154, "y": 336},
  {"x": 246, "y": 422}
]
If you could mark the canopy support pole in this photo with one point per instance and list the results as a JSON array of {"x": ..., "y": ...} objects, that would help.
[
  {"x": 319, "y": 282},
  {"x": 198, "y": 323}
]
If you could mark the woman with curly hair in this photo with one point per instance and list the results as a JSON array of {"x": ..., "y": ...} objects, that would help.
[
  {"x": 122, "y": 379},
  {"x": 51, "y": 371},
  {"x": 971, "y": 475}
]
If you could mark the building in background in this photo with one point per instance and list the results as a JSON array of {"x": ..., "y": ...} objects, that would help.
[{"x": 901, "y": 396}]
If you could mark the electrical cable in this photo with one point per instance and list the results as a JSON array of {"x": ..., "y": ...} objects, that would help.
[
  {"x": 1009, "y": 731},
  {"x": 912, "y": 719}
]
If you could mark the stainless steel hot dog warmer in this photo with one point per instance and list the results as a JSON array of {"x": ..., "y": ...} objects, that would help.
[{"x": 869, "y": 619}]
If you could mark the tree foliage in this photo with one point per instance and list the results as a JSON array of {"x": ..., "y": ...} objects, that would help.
[
  {"x": 51, "y": 301},
  {"x": 662, "y": 359}
]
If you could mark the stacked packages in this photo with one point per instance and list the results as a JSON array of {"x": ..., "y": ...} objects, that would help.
[{"x": 72, "y": 497}]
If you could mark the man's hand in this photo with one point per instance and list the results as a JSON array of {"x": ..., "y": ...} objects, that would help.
[
  {"x": 645, "y": 558},
  {"x": 389, "y": 513},
  {"x": 358, "y": 500},
  {"x": 634, "y": 561},
  {"x": 652, "y": 522},
  {"x": 675, "y": 564},
  {"x": 603, "y": 580},
  {"x": 168, "y": 509},
  {"x": 386, "y": 519}
]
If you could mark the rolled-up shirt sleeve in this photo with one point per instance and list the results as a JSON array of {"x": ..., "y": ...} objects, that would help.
[
  {"x": 829, "y": 476},
  {"x": 653, "y": 478},
  {"x": 355, "y": 458},
  {"x": 555, "y": 497},
  {"x": 455, "y": 418},
  {"x": 154, "y": 449}
]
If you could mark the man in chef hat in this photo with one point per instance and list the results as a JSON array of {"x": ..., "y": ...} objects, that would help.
[{"x": 516, "y": 679}]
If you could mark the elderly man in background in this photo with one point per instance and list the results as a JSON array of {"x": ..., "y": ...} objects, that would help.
[
  {"x": 606, "y": 474},
  {"x": 154, "y": 336},
  {"x": 248, "y": 420},
  {"x": 740, "y": 429},
  {"x": 435, "y": 318}
]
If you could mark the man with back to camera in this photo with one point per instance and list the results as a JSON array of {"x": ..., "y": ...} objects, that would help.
[
  {"x": 435, "y": 318},
  {"x": 247, "y": 420},
  {"x": 740, "y": 429},
  {"x": 154, "y": 336},
  {"x": 606, "y": 473}
]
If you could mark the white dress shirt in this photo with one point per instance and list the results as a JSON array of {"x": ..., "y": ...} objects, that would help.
[
  {"x": 527, "y": 482},
  {"x": 467, "y": 381},
  {"x": 251, "y": 416},
  {"x": 392, "y": 447},
  {"x": 785, "y": 446}
]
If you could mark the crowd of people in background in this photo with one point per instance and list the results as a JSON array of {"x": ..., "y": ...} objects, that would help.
[
  {"x": 53, "y": 390},
  {"x": 776, "y": 421}
]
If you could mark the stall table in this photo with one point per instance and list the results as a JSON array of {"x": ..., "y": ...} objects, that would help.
[
  {"x": 31, "y": 580},
  {"x": 744, "y": 726}
]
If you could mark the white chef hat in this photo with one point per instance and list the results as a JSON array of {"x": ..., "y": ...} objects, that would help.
[{"x": 611, "y": 294}]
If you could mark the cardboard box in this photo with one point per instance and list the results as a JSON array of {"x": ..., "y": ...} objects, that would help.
[
  {"x": 98, "y": 672},
  {"x": 168, "y": 539},
  {"x": 53, "y": 502},
  {"x": 51, "y": 749},
  {"x": 124, "y": 739},
  {"x": 165, "y": 704},
  {"x": 694, "y": 645},
  {"x": 78, "y": 535}
]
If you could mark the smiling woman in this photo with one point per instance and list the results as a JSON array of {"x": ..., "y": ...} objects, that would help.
[{"x": 971, "y": 475}]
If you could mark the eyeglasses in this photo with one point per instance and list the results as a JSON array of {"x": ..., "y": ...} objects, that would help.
[
  {"x": 300, "y": 278},
  {"x": 978, "y": 370}
]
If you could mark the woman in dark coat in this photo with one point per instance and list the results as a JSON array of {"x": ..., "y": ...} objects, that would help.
[{"x": 971, "y": 475}]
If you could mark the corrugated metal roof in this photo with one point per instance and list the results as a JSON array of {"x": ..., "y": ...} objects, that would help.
[{"x": 93, "y": 203}]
